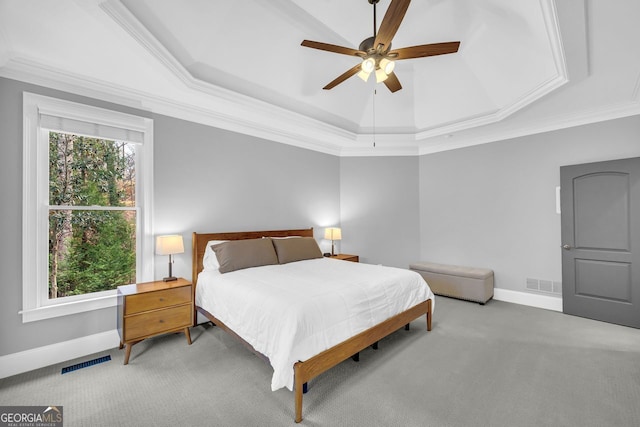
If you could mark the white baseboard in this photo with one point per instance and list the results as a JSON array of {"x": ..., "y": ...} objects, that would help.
[
  {"x": 35, "y": 358},
  {"x": 526, "y": 298}
]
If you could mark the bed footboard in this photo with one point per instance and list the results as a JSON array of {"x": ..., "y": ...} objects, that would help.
[{"x": 307, "y": 370}]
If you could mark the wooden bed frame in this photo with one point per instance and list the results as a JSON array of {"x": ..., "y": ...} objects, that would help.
[{"x": 306, "y": 370}]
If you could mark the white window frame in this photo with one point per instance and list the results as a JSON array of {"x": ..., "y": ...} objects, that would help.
[{"x": 36, "y": 304}]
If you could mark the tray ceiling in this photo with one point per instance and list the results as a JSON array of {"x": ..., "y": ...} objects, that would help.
[{"x": 522, "y": 67}]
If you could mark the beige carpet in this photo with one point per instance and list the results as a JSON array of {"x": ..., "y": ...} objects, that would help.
[{"x": 495, "y": 365}]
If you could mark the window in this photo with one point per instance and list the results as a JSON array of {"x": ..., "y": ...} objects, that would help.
[{"x": 87, "y": 179}]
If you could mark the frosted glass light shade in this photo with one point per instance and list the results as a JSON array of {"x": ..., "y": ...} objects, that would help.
[
  {"x": 368, "y": 65},
  {"x": 363, "y": 75},
  {"x": 387, "y": 66},
  {"x": 380, "y": 75}
]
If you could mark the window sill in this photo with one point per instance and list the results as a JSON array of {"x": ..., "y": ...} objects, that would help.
[{"x": 68, "y": 308}]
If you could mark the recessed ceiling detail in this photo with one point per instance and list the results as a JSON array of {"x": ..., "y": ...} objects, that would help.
[
  {"x": 522, "y": 66},
  {"x": 493, "y": 75}
]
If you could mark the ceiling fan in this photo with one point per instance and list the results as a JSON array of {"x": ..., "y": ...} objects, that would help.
[{"x": 376, "y": 52}]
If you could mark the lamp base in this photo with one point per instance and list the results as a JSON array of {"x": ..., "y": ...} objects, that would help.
[{"x": 169, "y": 279}]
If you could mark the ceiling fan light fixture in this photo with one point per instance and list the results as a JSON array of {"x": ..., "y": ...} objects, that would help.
[
  {"x": 368, "y": 65},
  {"x": 363, "y": 75},
  {"x": 387, "y": 66},
  {"x": 381, "y": 75},
  {"x": 375, "y": 52}
]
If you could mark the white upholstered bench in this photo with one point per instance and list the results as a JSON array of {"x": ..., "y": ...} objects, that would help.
[{"x": 468, "y": 283}]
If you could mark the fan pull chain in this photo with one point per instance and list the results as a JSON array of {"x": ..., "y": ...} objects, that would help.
[{"x": 375, "y": 92}]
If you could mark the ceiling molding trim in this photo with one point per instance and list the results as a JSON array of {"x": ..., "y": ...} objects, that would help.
[
  {"x": 610, "y": 112},
  {"x": 379, "y": 151},
  {"x": 119, "y": 13},
  {"x": 315, "y": 137},
  {"x": 228, "y": 103},
  {"x": 539, "y": 92},
  {"x": 300, "y": 131},
  {"x": 552, "y": 26},
  {"x": 34, "y": 72}
]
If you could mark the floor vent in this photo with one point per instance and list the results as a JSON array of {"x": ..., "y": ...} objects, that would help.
[
  {"x": 547, "y": 286},
  {"x": 85, "y": 364}
]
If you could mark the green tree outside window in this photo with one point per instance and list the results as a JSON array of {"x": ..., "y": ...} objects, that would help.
[{"x": 92, "y": 215}]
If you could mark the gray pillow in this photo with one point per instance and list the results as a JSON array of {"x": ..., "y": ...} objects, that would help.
[
  {"x": 238, "y": 254},
  {"x": 290, "y": 250}
]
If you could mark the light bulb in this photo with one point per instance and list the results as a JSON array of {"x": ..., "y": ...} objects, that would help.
[{"x": 368, "y": 65}]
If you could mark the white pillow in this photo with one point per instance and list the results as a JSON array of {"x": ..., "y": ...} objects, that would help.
[{"x": 209, "y": 260}]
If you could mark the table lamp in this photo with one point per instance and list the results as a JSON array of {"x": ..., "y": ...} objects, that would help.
[
  {"x": 333, "y": 233},
  {"x": 169, "y": 245}
]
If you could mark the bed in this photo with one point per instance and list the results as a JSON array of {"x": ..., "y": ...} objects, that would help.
[{"x": 314, "y": 280}]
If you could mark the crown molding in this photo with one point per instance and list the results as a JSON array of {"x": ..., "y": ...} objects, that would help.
[
  {"x": 268, "y": 123},
  {"x": 308, "y": 134},
  {"x": 580, "y": 118}
]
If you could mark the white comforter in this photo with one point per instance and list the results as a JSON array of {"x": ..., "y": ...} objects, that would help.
[{"x": 291, "y": 312}]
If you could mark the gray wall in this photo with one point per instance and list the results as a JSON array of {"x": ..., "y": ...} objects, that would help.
[
  {"x": 205, "y": 179},
  {"x": 493, "y": 205},
  {"x": 209, "y": 180},
  {"x": 379, "y": 209}
]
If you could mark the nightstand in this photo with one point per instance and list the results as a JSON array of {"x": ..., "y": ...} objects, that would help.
[
  {"x": 346, "y": 257},
  {"x": 153, "y": 308}
]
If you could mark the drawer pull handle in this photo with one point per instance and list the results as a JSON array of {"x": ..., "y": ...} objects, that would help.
[
  {"x": 161, "y": 321},
  {"x": 161, "y": 299}
]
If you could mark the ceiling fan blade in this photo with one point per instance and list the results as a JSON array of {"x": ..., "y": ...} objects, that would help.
[
  {"x": 425, "y": 50},
  {"x": 344, "y": 76},
  {"x": 332, "y": 48},
  {"x": 393, "y": 83},
  {"x": 391, "y": 22}
]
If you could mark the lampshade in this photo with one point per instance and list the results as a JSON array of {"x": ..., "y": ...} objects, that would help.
[
  {"x": 333, "y": 233},
  {"x": 169, "y": 245}
]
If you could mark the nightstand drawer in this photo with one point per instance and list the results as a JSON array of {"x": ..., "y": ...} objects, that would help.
[
  {"x": 157, "y": 299},
  {"x": 155, "y": 322}
]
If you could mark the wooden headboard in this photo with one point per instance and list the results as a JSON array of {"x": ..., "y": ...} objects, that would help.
[{"x": 199, "y": 243}]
